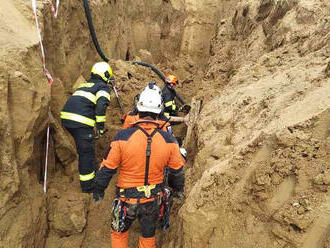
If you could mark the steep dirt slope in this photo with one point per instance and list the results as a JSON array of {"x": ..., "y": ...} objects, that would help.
[
  {"x": 260, "y": 175},
  {"x": 261, "y": 172},
  {"x": 151, "y": 31},
  {"x": 23, "y": 114},
  {"x": 140, "y": 30}
]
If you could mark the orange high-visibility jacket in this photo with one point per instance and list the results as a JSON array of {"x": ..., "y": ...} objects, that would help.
[{"x": 128, "y": 150}]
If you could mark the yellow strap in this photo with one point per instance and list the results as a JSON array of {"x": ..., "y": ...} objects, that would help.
[
  {"x": 100, "y": 118},
  {"x": 167, "y": 114},
  {"x": 146, "y": 189},
  {"x": 87, "y": 85},
  {"x": 87, "y": 177},
  {"x": 169, "y": 103},
  {"x": 102, "y": 93},
  {"x": 88, "y": 95},
  {"x": 78, "y": 118}
]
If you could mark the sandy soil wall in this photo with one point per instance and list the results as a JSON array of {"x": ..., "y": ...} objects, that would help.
[
  {"x": 260, "y": 175},
  {"x": 258, "y": 170}
]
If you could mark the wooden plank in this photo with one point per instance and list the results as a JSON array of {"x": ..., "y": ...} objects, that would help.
[{"x": 191, "y": 123}]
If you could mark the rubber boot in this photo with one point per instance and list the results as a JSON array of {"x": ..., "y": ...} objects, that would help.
[
  {"x": 147, "y": 242},
  {"x": 119, "y": 240}
]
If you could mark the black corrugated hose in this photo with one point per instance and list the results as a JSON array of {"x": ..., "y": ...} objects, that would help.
[{"x": 106, "y": 59}]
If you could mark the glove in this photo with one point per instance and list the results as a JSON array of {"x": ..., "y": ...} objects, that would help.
[
  {"x": 98, "y": 196},
  {"x": 99, "y": 133},
  {"x": 123, "y": 118},
  {"x": 112, "y": 80},
  {"x": 185, "y": 109}
]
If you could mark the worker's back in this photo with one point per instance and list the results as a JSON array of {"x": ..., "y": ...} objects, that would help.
[
  {"x": 129, "y": 150},
  {"x": 83, "y": 103}
]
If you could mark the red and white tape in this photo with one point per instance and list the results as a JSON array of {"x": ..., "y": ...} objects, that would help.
[
  {"x": 55, "y": 12},
  {"x": 46, "y": 72},
  {"x": 54, "y": 8}
]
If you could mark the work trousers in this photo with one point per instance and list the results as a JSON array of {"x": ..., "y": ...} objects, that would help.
[
  {"x": 84, "y": 139},
  {"x": 147, "y": 214}
]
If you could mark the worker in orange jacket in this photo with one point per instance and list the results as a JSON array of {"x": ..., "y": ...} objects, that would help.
[{"x": 142, "y": 152}]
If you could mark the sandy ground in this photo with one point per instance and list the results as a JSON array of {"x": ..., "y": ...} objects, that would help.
[{"x": 258, "y": 170}]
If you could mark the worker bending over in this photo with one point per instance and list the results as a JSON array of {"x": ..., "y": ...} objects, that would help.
[{"x": 83, "y": 111}]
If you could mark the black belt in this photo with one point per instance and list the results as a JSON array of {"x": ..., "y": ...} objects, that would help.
[{"x": 146, "y": 191}]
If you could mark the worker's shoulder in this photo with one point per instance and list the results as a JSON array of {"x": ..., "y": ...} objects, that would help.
[
  {"x": 165, "y": 89},
  {"x": 125, "y": 134},
  {"x": 102, "y": 86},
  {"x": 168, "y": 94},
  {"x": 167, "y": 137}
]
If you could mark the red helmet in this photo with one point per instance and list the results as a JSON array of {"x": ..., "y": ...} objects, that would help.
[{"x": 171, "y": 79}]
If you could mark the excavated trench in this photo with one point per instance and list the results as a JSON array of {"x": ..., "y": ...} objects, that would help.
[{"x": 258, "y": 158}]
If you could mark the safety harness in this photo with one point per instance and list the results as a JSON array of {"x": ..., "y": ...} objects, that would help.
[
  {"x": 147, "y": 190},
  {"x": 157, "y": 191}
]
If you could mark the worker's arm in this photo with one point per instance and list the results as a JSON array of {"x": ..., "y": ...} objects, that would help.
[
  {"x": 102, "y": 102},
  {"x": 184, "y": 119},
  {"x": 108, "y": 168},
  {"x": 169, "y": 103},
  {"x": 176, "y": 169},
  {"x": 170, "y": 108}
]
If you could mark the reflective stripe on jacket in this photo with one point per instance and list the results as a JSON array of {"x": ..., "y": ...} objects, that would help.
[
  {"x": 87, "y": 105},
  {"x": 168, "y": 95},
  {"x": 77, "y": 118}
]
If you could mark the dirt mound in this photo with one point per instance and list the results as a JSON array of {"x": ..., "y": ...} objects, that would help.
[
  {"x": 24, "y": 103},
  {"x": 26, "y": 98},
  {"x": 263, "y": 140},
  {"x": 260, "y": 175}
]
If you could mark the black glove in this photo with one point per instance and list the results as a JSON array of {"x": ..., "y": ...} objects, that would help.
[
  {"x": 112, "y": 80},
  {"x": 123, "y": 118},
  {"x": 99, "y": 133},
  {"x": 185, "y": 109},
  {"x": 98, "y": 196}
]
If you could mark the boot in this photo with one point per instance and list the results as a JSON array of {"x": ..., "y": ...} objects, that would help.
[
  {"x": 147, "y": 242},
  {"x": 119, "y": 240}
]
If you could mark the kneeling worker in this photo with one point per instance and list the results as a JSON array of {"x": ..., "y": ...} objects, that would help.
[
  {"x": 142, "y": 152},
  {"x": 83, "y": 110}
]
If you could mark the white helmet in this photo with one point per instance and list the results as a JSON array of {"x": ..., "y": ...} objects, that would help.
[{"x": 150, "y": 99}]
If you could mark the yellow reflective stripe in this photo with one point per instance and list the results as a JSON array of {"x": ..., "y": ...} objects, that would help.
[
  {"x": 100, "y": 118},
  {"x": 87, "y": 177},
  {"x": 87, "y": 85},
  {"x": 167, "y": 114},
  {"x": 169, "y": 103},
  {"x": 173, "y": 106},
  {"x": 78, "y": 118},
  {"x": 88, "y": 95},
  {"x": 102, "y": 93}
]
